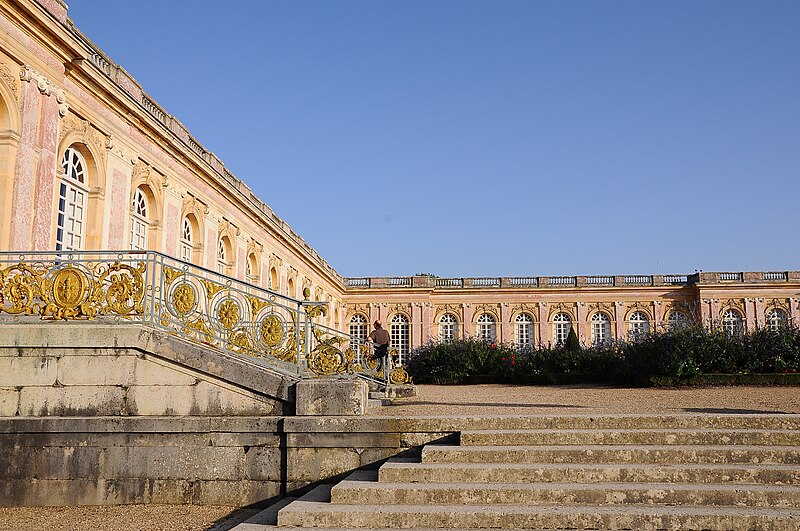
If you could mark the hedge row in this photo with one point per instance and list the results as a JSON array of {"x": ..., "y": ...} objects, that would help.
[{"x": 678, "y": 354}]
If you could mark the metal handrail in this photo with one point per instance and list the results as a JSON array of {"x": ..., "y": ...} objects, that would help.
[{"x": 189, "y": 301}]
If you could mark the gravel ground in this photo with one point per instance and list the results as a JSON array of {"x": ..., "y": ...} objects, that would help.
[
  {"x": 114, "y": 518},
  {"x": 453, "y": 400},
  {"x": 582, "y": 399}
]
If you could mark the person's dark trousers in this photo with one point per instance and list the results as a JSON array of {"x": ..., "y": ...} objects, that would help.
[{"x": 381, "y": 352}]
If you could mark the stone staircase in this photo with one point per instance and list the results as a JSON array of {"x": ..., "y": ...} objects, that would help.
[{"x": 576, "y": 472}]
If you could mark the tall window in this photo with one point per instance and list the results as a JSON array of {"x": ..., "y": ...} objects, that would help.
[
  {"x": 139, "y": 222},
  {"x": 250, "y": 269},
  {"x": 731, "y": 322},
  {"x": 677, "y": 320},
  {"x": 561, "y": 326},
  {"x": 72, "y": 198},
  {"x": 523, "y": 330},
  {"x": 273, "y": 279},
  {"x": 777, "y": 320},
  {"x": 222, "y": 256},
  {"x": 601, "y": 329},
  {"x": 358, "y": 327},
  {"x": 486, "y": 329},
  {"x": 638, "y": 326},
  {"x": 399, "y": 335},
  {"x": 448, "y": 328},
  {"x": 186, "y": 240}
]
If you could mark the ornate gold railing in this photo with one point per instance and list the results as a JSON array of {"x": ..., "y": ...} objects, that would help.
[{"x": 189, "y": 301}]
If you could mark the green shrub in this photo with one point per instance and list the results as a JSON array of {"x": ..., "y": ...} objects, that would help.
[{"x": 684, "y": 353}]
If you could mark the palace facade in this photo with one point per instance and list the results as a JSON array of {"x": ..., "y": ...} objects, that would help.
[{"x": 88, "y": 161}]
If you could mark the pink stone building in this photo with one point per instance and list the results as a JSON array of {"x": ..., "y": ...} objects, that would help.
[{"x": 89, "y": 161}]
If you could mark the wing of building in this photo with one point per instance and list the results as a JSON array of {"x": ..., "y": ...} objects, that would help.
[{"x": 88, "y": 161}]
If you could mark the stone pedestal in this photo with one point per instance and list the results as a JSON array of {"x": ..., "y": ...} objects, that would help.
[{"x": 331, "y": 397}]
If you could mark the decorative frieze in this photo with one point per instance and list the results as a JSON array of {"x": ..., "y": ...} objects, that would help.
[{"x": 9, "y": 80}]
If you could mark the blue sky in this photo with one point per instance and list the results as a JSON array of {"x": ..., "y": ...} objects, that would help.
[{"x": 502, "y": 138}]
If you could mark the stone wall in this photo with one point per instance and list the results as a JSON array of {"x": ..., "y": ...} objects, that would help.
[
  {"x": 110, "y": 461},
  {"x": 95, "y": 369},
  {"x": 199, "y": 460}
]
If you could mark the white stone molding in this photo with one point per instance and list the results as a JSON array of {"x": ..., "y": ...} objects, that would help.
[{"x": 46, "y": 87}]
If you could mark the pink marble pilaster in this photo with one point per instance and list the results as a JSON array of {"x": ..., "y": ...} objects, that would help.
[
  {"x": 506, "y": 335},
  {"x": 416, "y": 325},
  {"x": 583, "y": 335},
  {"x": 544, "y": 334},
  {"x": 714, "y": 311},
  {"x": 46, "y": 171},
  {"x": 119, "y": 208},
  {"x": 750, "y": 314},
  {"x": 25, "y": 170},
  {"x": 171, "y": 228},
  {"x": 761, "y": 319},
  {"x": 210, "y": 260},
  {"x": 619, "y": 320},
  {"x": 427, "y": 322},
  {"x": 469, "y": 315}
]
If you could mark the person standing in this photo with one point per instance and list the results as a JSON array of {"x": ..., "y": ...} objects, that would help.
[{"x": 380, "y": 338}]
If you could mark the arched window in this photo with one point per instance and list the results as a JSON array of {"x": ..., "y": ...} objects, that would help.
[
  {"x": 638, "y": 326},
  {"x": 273, "y": 279},
  {"x": 731, "y": 322},
  {"x": 290, "y": 288},
  {"x": 448, "y": 328},
  {"x": 777, "y": 320},
  {"x": 677, "y": 320},
  {"x": 561, "y": 327},
  {"x": 486, "y": 329},
  {"x": 72, "y": 199},
  {"x": 140, "y": 223},
  {"x": 399, "y": 335},
  {"x": 358, "y": 327},
  {"x": 222, "y": 256},
  {"x": 251, "y": 269},
  {"x": 187, "y": 244},
  {"x": 601, "y": 329},
  {"x": 523, "y": 330}
]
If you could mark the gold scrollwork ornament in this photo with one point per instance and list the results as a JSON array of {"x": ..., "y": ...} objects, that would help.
[
  {"x": 20, "y": 287},
  {"x": 68, "y": 293}
]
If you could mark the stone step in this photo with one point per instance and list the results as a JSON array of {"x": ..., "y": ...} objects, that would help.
[
  {"x": 620, "y": 422},
  {"x": 709, "y": 495},
  {"x": 268, "y": 518},
  {"x": 629, "y": 436},
  {"x": 651, "y": 454},
  {"x": 319, "y": 514},
  {"x": 399, "y": 470}
]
